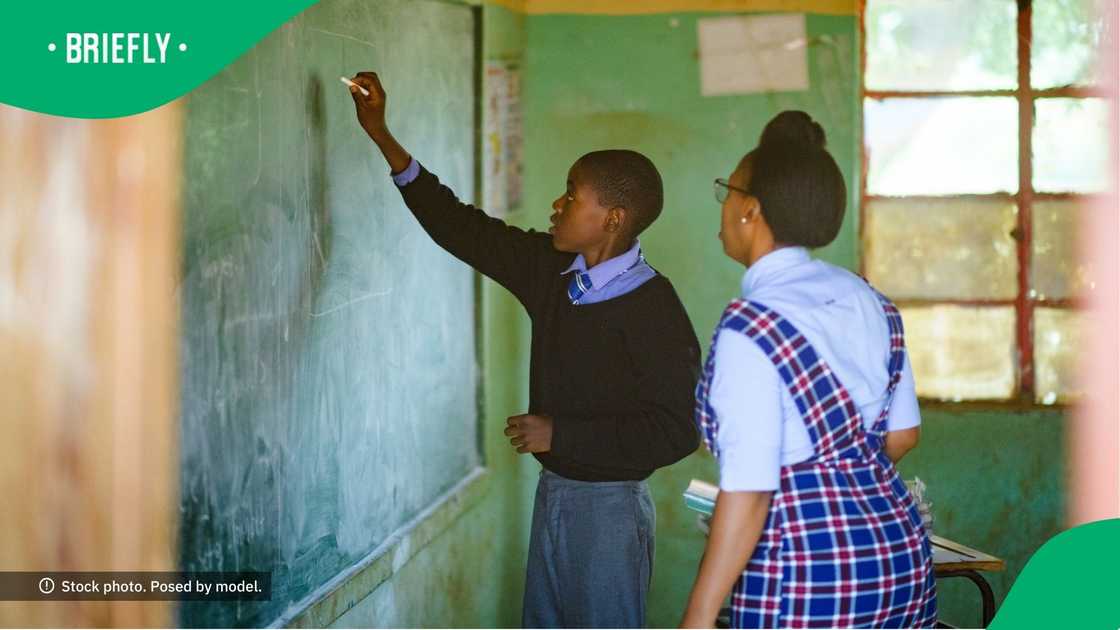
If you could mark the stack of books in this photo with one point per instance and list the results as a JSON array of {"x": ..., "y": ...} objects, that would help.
[{"x": 701, "y": 497}]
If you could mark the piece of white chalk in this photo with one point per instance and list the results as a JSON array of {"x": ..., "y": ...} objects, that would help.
[{"x": 352, "y": 84}]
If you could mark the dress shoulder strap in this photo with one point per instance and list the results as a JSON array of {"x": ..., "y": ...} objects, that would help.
[
  {"x": 897, "y": 356},
  {"x": 831, "y": 417}
]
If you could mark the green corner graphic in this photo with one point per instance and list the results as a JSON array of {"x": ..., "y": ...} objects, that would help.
[
  {"x": 1071, "y": 582},
  {"x": 110, "y": 59}
]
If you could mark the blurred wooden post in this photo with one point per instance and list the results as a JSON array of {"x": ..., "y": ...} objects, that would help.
[
  {"x": 89, "y": 267},
  {"x": 1094, "y": 441}
]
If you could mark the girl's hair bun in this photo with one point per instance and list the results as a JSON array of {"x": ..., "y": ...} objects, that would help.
[
  {"x": 797, "y": 183},
  {"x": 794, "y": 130}
]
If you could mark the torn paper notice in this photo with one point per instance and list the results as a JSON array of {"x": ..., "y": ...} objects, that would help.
[
  {"x": 502, "y": 138},
  {"x": 743, "y": 55}
]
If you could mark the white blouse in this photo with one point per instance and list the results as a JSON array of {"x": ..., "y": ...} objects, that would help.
[{"x": 760, "y": 428}]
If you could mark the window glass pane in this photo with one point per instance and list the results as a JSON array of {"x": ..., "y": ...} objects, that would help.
[
  {"x": 1056, "y": 272},
  {"x": 955, "y": 249},
  {"x": 1071, "y": 144},
  {"x": 961, "y": 352},
  {"x": 941, "y": 146},
  {"x": 941, "y": 45},
  {"x": 1056, "y": 345},
  {"x": 1066, "y": 37}
]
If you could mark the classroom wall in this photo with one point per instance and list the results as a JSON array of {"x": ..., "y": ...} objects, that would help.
[
  {"x": 995, "y": 476},
  {"x": 997, "y": 480}
]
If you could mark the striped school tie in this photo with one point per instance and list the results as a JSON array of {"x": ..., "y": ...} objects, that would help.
[{"x": 580, "y": 284}]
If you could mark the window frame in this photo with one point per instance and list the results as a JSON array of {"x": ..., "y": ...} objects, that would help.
[{"x": 1024, "y": 303}]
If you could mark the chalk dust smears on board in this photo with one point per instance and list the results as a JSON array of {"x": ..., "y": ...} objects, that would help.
[{"x": 328, "y": 346}]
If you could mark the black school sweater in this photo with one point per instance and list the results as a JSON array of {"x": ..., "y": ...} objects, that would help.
[{"x": 617, "y": 377}]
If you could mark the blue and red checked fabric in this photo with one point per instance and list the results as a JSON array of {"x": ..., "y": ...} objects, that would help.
[{"x": 843, "y": 545}]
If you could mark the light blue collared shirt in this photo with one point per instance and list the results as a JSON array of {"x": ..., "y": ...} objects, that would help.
[
  {"x": 609, "y": 279},
  {"x": 760, "y": 427},
  {"x": 615, "y": 276}
]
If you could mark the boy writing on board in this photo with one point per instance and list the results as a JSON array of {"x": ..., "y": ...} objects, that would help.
[{"x": 613, "y": 365}]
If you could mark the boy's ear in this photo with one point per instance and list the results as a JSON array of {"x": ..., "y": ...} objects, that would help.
[{"x": 616, "y": 219}]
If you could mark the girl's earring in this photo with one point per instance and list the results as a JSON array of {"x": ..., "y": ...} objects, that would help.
[{"x": 742, "y": 219}]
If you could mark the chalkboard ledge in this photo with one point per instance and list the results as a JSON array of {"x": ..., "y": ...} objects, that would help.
[{"x": 345, "y": 590}]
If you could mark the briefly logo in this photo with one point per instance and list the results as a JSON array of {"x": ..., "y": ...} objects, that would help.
[{"x": 117, "y": 48}]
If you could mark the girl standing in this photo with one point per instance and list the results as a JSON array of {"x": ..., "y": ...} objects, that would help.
[{"x": 807, "y": 401}]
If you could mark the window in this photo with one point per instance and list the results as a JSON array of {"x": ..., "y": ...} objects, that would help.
[{"x": 984, "y": 135}]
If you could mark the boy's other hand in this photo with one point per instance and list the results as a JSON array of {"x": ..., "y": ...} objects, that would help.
[
  {"x": 370, "y": 109},
  {"x": 530, "y": 433}
]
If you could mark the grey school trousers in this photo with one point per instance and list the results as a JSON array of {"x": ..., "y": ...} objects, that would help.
[{"x": 590, "y": 554}]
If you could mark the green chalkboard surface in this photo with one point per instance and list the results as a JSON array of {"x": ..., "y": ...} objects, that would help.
[{"x": 328, "y": 346}]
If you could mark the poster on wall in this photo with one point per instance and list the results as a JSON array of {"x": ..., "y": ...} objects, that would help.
[
  {"x": 502, "y": 138},
  {"x": 751, "y": 54}
]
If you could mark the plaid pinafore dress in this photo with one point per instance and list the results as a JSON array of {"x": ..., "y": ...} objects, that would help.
[{"x": 843, "y": 545}]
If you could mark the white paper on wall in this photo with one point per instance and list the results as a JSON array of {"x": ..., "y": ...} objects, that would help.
[
  {"x": 748, "y": 54},
  {"x": 502, "y": 138}
]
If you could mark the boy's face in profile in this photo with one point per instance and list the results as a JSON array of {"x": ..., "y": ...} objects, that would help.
[{"x": 579, "y": 223}]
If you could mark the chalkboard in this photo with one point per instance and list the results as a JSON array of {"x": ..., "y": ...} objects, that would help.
[{"x": 328, "y": 346}]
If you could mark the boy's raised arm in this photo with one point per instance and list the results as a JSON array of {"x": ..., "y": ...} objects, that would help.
[
  {"x": 371, "y": 116},
  {"x": 507, "y": 254}
]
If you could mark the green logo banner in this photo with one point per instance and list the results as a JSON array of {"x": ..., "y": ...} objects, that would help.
[
  {"x": 110, "y": 59},
  {"x": 1071, "y": 582}
]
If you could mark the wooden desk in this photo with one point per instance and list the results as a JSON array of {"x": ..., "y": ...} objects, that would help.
[{"x": 952, "y": 559}]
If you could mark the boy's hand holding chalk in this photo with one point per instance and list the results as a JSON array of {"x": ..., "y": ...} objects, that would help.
[
  {"x": 369, "y": 101},
  {"x": 354, "y": 85}
]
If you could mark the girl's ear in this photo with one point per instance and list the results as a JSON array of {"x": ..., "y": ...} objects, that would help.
[{"x": 752, "y": 209}]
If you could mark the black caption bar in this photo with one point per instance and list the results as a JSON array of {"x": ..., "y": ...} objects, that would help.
[{"x": 135, "y": 585}]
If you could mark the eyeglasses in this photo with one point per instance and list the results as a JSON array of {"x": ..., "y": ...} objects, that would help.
[{"x": 722, "y": 189}]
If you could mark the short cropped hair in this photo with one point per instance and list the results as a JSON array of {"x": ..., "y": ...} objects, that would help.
[
  {"x": 626, "y": 179},
  {"x": 797, "y": 183}
]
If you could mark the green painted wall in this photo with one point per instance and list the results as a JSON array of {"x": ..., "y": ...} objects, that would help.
[
  {"x": 997, "y": 483},
  {"x": 633, "y": 82}
]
